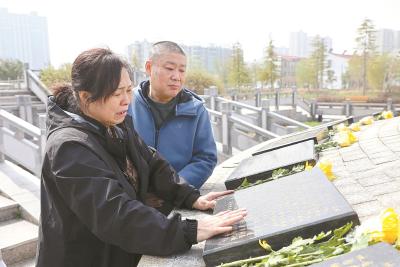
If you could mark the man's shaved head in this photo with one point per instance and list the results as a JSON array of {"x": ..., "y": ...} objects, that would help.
[{"x": 165, "y": 47}]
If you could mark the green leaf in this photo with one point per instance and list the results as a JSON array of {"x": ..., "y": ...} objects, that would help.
[
  {"x": 322, "y": 235},
  {"x": 360, "y": 242}
]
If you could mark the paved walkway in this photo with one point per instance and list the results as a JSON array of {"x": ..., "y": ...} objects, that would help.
[
  {"x": 368, "y": 172},
  {"x": 368, "y": 175}
]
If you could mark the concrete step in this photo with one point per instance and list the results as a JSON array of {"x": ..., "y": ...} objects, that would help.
[
  {"x": 25, "y": 263},
  {"x": 8, "y": 209},
  {"x": 18, "y": 240}
]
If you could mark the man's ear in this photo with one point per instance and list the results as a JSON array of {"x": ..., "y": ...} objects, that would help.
[
  {"x": 84, "y": 96},
  {"x": 148, "y": 65}
]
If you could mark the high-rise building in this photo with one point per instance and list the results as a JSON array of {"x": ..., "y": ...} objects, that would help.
[
  {"x": 24, "y": 37},
  {"x": 138, "y": 53},
  {"x": 198, "y": 57},
  {"x": 298, "y": 44},
  {"x": 385, "y": 40},
  {"x": 207, "y": 58},
  {"x": 301, "y": 45},
  {"x": 397, "y": 41},
  {"x": 282, "y": 51}
]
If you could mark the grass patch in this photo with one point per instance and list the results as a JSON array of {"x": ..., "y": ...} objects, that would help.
[{"x": 312, "y": 123}]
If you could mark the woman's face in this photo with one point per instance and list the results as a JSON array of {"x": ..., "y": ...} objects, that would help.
[{"x": 112, "y": 111}]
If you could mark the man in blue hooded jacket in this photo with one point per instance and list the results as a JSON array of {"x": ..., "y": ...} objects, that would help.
[{"x": 172, "y": 119}]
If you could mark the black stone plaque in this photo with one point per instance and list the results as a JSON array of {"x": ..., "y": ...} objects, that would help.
[
  {"x": 303, "y": 204},
  {"x": 261, "y": 166},
  {"x": 378, "y": 255},
  {"x": 320, "y": 133}
]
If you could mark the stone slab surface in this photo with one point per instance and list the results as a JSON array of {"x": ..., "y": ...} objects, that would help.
[
  {"x": 371, "y": 168},
  {"x": 303, "y": 204},
  {"x": 262, "y": 165},
  {"x": 382, "y": 195},
  {"x": 319, "y": 133},
  {"x": 378, "y": 255}
]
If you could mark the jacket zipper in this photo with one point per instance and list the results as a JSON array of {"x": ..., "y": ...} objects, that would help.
[
  {"x": 156, "y": 137},
  {"x": 155, "y": 126}
]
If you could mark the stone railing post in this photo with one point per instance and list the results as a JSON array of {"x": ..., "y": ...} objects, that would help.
[
  {"x": 294, "y": 93},
  {"x": 313, "y": 108},
  {"x": 226, "y": 128},
  {"x": 234, "y": 97},
  {"x": 2, "y": 157},
  {"x": 213, "y": 93},
  {"x": 206, "y": 92},
  {"x": 264, "y": 121},
  {"x": 348, "y": 108},
  {"x": 43, "y": 133},
  {"x": 25, "y": 107},
  {"x": 276, "y": 100},
  {"x": 233, "y": 94},
  {"x": 389, "y": 104},
  {"x": 258, "y": 98},
  {"x": 26, "y": 76}
]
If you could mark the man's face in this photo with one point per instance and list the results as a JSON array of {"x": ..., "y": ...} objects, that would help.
[{"x": 167, "y": 76}]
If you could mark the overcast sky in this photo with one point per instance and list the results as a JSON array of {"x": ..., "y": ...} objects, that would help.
[{"x": 75, "y": 25}]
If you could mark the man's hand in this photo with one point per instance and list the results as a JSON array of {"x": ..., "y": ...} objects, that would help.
[
  {"x": 219, "y": 223},
  {"x": 208, "y": 201}
]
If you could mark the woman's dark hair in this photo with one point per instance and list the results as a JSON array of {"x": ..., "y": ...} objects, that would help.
[{"x": 97, "y": 71}]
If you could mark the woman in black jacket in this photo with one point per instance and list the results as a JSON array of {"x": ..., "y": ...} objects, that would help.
[{"x": 97, "y": 174}]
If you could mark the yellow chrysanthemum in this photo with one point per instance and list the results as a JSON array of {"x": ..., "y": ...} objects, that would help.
[
  {"x": 341, "y": 127},
  {"x": 308, "y": 166},
  {"x": 344, "y": 139},
  {"x": 355, "y": 127},
  {"x": 352, "y": 137},
  {"x": 390, "y": 225},
  {"x": 367, "y": 120},
  {"x": 326, "y": 167},
  {"x": 387, "y": 114}
]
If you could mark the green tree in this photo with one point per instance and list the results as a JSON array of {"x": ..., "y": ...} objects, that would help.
[
  {"x": 238, "y": 73},
  {"x": 255, "y": 72},
  {"x": 195, "y": 62},
  {"x": 134, "y": 61},
  {"x": 318, "y": 61},
  {"x": 198, "y": 79},
  {"x": 377, "y": 71},
  {"x": 305, "y": 73},
  {"x": 270, "y": 71},
  {"x": 51, "y": 76},
  {"x": 11, "y": 69},
  {"x": 392, "y": 75},
  {"x": 330, "y": 74},
  {"x": 354, "y": 73},
  {"x": 222, "y": 71},
  {"x": 366, "y": 46}
]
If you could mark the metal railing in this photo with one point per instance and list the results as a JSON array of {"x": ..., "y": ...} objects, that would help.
[{"x": 22, "y": 142}]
